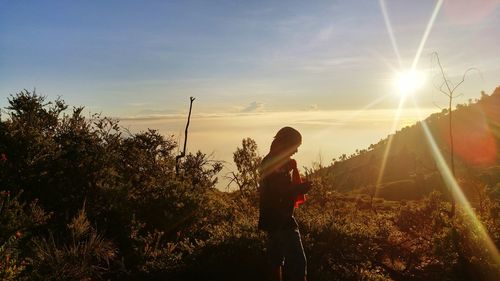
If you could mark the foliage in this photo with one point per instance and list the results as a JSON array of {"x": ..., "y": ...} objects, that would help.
[
  {"x": 143, "y": 221},
  {"x": 62, "y": 159},
  {"x": 18, "y": 222},
  {"x": 247, "y": 160},
  {"x": 410, "y": 158},
  {"x": 86, "y": 255}
]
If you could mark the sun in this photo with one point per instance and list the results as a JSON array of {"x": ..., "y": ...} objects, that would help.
[{"x": 409, "y": 81}]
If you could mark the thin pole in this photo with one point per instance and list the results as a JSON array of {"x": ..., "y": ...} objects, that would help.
[{"x": 183, "y": 153}]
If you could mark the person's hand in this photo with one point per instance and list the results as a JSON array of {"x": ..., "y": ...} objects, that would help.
[{"x": 307, "y": 185}]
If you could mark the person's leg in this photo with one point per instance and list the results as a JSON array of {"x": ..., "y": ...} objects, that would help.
[
  {"x": 275, "y": 254},
  {"x": 276, "y": 273},
  {"x": 295, "y": 267}
]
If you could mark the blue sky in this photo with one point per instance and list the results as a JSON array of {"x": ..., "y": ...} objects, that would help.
[
  {"x": 136, "y": 59},
  {"x": 129, "y": 58}
]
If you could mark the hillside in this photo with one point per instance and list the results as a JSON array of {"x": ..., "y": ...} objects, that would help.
[{"x": 410, "y": 169}]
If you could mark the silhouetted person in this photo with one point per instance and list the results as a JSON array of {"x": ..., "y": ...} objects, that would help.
[{"x": 279, "y": 195}]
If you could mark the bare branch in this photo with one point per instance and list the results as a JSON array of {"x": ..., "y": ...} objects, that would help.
[
  {"x": 443, "y": 74},
  {"x": 465, "y": 73},
  {"x": 442, "y": 91},
  {"x": 234, "y": 179},
  {"x": 434, "y": 103},
  {"x": 451, "y": 87}
]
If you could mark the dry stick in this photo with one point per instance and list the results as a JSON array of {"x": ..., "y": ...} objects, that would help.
[
  {"x": 450, "y": 94},
  {"x": 183, "y": 153}
]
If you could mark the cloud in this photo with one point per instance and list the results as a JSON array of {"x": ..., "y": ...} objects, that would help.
[
  {"x": 152, "y": 114},
  {"x": 313, "y": 106},
  {"x": 254, "y": 107},
  {"x": 325, "y": 34}
]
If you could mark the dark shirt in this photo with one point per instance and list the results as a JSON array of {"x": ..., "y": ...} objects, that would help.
[{"x": 277, "y": 195}]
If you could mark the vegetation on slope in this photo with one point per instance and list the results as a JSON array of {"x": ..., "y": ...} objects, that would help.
[
  {"x": 411, "y": 166},
  {"x": 82, "y": 200}
]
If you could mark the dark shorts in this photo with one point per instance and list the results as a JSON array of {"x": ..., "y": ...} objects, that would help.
[{"x": 284, "y": 248}]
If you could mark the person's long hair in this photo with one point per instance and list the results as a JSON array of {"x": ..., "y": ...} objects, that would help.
[
  {"x": 285, "y": 142},
  {"x": 286, "y": 139}
]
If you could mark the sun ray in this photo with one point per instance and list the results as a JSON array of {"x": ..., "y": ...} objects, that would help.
[
  {"x": 366, "y": 107},
  {"x": 397, "y": 115},
  {"x": 430, "y": 24},
  {"x": 388, "y": 147},
  {"x": 452, "y": 185},
  {"x": 442, "y": 166},
  {"x": 356, "y": 113},
  {"x": 428, "y": 28},
  {"x": 388, "y": 25}
]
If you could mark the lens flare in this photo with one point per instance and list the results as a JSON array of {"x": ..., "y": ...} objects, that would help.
[
  {"x": 457, "y": 193},
  {"x": 409, "y": 82}
]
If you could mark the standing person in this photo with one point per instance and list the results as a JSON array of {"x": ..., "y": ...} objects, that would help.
[{"x": 281, "y": 191}]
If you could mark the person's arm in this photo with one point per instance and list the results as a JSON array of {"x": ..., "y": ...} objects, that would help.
[
  {"x": 282, "y": 186},
  {"x": 299, "y": 187},
  {"x": 302, "y": 188}
]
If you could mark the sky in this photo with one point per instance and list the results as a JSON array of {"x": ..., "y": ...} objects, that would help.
[{"x": 324, "y": 67}]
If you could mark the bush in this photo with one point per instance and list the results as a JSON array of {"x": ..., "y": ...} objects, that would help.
[
  {"x": 84, "y": 254},
  {"x": 62, "y": 160}
]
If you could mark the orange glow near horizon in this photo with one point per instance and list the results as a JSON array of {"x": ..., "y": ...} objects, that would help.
[{"x": 474, "y": 141}]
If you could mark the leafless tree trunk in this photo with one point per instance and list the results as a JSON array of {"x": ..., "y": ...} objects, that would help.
[
  {"x": 450, "y": 93},
  {"x": 183, "y": 153}
]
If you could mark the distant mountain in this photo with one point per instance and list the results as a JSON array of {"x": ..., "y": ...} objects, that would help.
[{"x": 410, "y": 170}]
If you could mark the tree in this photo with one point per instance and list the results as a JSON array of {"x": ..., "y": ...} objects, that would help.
[
  {"x": 247, "y": 162},
  {"x": 449, "y": 91}
]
